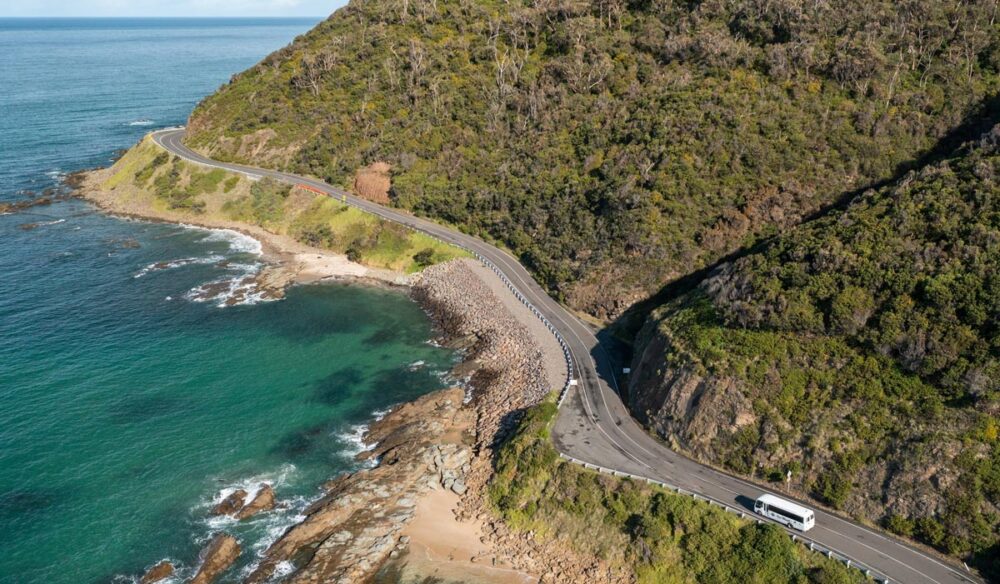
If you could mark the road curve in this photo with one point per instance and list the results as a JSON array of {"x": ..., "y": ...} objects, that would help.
[{"x": 593, "y": 425}]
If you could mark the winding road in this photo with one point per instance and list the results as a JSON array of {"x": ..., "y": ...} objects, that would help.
[{"x": 593, "y": 425}]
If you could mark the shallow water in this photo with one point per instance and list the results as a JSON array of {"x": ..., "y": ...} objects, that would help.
[{"x": 126, "y": 408}]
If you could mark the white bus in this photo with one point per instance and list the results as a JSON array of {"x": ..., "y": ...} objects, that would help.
[{"x": 785, "y": 512}]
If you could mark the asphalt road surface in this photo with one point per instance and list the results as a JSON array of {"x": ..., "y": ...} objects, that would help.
[{"x": 593, "y": 425}]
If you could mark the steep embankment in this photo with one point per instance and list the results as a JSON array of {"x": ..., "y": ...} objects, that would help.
[
  {"x": 612, "y": 145},
  {"x": 860, "y": 352}
]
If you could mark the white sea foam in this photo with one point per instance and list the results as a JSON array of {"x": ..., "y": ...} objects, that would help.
[
  {"x": 159, "y": 266},
  {"x": 283, "y": 569},
  {"x": 251, "y": 485},
  {"x": 239, "y": 290},
  {"x": 54, "y": 222},
  {"x": 354, "y": 438},
  {"x": 276, "y": 524},
  {"x": 379, "y": 414},
  {"x": 354, "y": 442},
  {"x": 142, "y": 122},
  {"x": 415, "y": 365},
  {"x": 238, "y": 242}
]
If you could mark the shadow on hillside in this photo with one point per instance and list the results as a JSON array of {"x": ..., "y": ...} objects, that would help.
[{"x": 979, "y": 121}]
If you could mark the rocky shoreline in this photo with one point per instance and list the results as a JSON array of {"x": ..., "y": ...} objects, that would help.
[
  {"x": 432, "y": 458},
  {"x": 432, "y": 461}
]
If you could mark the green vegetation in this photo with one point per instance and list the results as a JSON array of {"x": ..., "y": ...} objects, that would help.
[
  {"x": 137, "y": 165},
  {"x": 613, "y": 145},
  {"x": 663, "y": 537},
  {"x": 315, "y": 220},
  {"x": 179, "y": 185},
  {"x": 265, "y": 206},
  {"x": 868, "y": 343},
  {"x": 324, "y": 222}
]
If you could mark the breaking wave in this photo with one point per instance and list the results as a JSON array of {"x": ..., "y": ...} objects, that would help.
[
  {"x": 238, "y": 242},
  {"x": 243, "y": 289},
  {"x": 169, "y": 265}
]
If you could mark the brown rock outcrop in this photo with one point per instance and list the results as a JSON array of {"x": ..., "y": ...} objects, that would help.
[
  {"x": 681, "y": 402},
  {"x": 231, "y": 504},
  {"x": 263, "y": 501},
  {"x": 160, "y": 571},
  {"x": 220, "y": 553}
]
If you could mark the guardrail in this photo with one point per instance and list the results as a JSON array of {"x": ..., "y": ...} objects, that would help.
[
  {"x": 812, "y": 545},
  {"x": 562, "y": 342}
]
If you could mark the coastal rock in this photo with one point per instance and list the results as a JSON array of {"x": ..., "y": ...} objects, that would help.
[
  {"x": 231, "y": 504},
  {"x": 264, "y": 501},
  {"x": 351, "y": 532},
  {"x": 220, "y": 553},
  {"x": 163, "y": 569},
  {"x": 6, "y": 208}
]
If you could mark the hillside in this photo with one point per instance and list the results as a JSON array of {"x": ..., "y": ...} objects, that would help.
[
  {"x": 614, "y": 146},
  {"x": 860, "y": 352}
]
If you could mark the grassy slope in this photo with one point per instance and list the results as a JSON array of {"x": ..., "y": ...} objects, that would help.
[
  {"x": 169, "y": 185},
  {"x": 868, "y": 343},
  {"x": 612, "y": 145},
  {"x": 661, "y": 536}
]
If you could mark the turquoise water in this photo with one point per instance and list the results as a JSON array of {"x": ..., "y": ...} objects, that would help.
[{"x": 125, "y": 406}]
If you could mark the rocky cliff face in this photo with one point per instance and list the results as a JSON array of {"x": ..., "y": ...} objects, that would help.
[
  {"x": 912, "y": 468},
  {"x": 679, "y": 400}
]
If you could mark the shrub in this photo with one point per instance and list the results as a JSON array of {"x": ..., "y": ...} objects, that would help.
[
  {"x": 900, "y": 525},
  {"x": 424, "y": 257},
  {"x": 267, "y": 200}
]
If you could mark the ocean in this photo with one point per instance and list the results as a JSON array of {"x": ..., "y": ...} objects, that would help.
[{"x": 126, "y": 407}]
